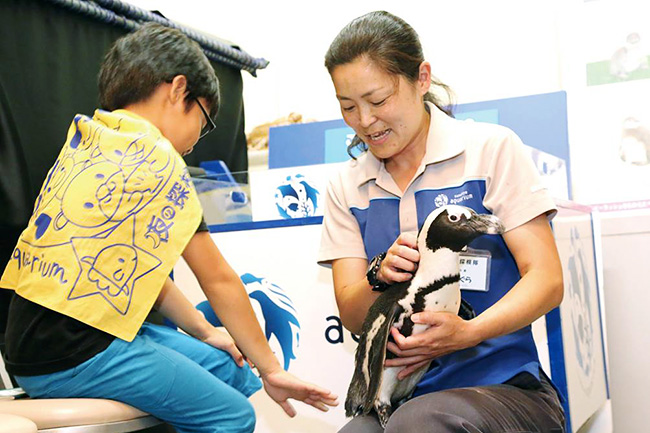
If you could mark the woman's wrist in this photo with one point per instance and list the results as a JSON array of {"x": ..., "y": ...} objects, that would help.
[
  {"x": 373, "y": 274},
  {"x": 478, "y": 331}
]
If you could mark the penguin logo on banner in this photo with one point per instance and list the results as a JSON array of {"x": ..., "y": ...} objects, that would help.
[
  {"x": 296, "y": 198},
  {"x": 581, "y": 304},
  {"x": 275, "y": 312},
  {"x": 441, "y": 200}
]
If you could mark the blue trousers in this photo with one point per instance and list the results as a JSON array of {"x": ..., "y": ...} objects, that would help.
[{"x": 178, "y": 379}]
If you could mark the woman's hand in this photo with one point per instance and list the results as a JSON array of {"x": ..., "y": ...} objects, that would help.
[
  {"x": 222, "y": 340},
  {"x": 401, "y": 260},
  {"x": 448, "y": 333},
  {"x": 281, "y": 386}
]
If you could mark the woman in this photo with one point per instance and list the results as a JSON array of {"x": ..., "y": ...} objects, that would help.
[{"x": 485, "y": 375}]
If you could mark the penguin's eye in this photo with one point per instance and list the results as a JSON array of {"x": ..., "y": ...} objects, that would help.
[{"x": 453, "y": 218}]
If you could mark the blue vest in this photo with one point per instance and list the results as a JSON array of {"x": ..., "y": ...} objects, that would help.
[{"x": 493, "y": 361}]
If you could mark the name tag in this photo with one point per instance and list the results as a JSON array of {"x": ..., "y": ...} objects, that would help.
[{"x": 475, "y": 270}]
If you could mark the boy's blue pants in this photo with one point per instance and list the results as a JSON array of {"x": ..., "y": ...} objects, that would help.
[{"x": 178, "y": 379}]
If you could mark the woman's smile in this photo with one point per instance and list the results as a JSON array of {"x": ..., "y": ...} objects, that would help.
[{"x": 378, "y": 138}]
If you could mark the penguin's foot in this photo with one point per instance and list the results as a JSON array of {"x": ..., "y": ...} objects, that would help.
[{"x": 384, "y": 411}]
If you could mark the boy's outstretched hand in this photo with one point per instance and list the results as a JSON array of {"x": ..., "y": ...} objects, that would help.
[{"x": 281, "y": 386}]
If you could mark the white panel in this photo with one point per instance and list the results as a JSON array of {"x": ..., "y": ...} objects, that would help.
[
  {"x": 626, "y": 258},
  {"x": 580, "y": 316}
]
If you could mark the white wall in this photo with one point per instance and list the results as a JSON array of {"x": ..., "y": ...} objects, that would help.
[
  {"x": 592, "y": 31},
  {"x": 484, "y": 50}
]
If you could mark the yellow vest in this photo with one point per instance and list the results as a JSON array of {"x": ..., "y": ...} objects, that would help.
[{"x": 112, "y": 218}]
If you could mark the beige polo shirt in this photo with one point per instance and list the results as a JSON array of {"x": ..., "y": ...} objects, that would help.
[{"x": 478, "y": 165}]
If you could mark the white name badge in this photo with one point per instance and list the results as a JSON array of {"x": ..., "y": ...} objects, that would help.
[{"x": 475, "y": 270}]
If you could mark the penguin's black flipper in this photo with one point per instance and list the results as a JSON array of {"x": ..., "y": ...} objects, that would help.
[
  {"x": 358, "y": 388},
  {"x": 466, "y": 311},
  {"x": 377, "y": 352},
  {"x": 371, "y": 352}
]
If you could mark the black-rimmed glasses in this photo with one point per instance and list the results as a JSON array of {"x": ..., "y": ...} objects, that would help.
[{"x": 209, "y": 123}]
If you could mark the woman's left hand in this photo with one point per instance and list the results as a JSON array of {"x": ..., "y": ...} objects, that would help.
[
  {"x": 448, "y": 333},
  {"x": 281, "y": 386}
]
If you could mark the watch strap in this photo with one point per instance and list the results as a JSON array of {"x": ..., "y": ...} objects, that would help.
[{"x": 373, "y": 270}]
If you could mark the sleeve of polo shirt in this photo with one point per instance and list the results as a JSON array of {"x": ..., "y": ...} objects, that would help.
[
  {"x": 515, "y": 191},
  {"x": 341, "y": 236}
]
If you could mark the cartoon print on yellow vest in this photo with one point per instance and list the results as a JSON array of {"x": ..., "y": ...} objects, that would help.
[
  {"x": 92, "y": 249},
  {"x": 112, "y": 266}
]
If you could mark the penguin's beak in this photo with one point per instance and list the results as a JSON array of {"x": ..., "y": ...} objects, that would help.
[{"x": 486, "y": 224}]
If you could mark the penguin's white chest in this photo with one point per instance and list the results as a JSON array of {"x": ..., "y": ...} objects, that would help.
[
  {"x": 445, "y": 299},
  {"x": 434, "y": 268}
]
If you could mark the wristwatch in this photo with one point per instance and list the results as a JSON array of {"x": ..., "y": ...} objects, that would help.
[{"x": 371, "y": 274}]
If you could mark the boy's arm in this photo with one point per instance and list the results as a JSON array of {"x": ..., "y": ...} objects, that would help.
[
  {"x": 173, "y": 304},
  {"x": 228, "y": 297},
  {"x": 230, "y": 302}
]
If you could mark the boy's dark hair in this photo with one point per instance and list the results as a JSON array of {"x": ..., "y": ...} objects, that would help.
[{"x": 139, "y": 62}]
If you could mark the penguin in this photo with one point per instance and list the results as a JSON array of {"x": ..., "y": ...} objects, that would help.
[
  {"x": 634, "y": 147},
  {"x": 434, "y": 287}
]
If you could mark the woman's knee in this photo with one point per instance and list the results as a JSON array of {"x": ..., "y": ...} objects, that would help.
[
  {"x": 446, "y": 411},
  {"x": 435, "y": 421},
  {"x": 362, "y": 424}
]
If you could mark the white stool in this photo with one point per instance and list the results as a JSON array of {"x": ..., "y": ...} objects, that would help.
[
  {"x": 68, "y": 415},
  {"x": 16, "y": 424},
  {"x": 77, "y": 415}
]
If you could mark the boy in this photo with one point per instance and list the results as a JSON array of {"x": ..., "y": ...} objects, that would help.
[{"x": 114, "y": 214}]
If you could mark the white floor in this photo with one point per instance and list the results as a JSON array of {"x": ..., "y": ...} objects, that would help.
[{"x": 601, "y": 422}]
